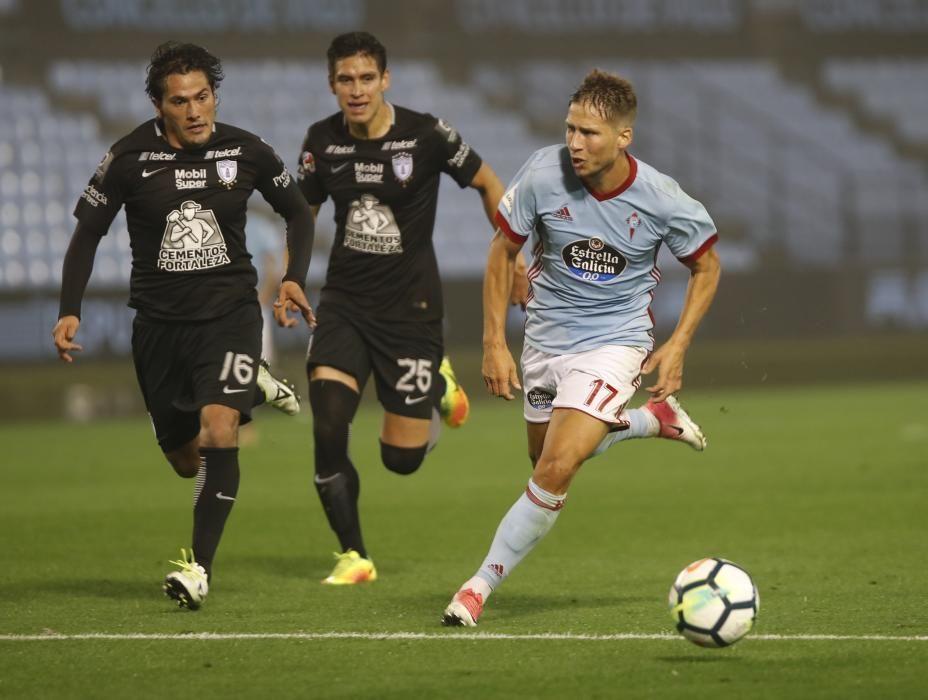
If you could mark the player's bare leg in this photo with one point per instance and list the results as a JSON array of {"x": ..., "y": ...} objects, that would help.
[
  {"x": 405, "y": 441},
  {"x": 185, "y": 459}
]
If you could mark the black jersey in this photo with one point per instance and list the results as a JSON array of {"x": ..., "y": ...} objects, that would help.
[
  {"x": 385, "y": 193},
  {"x": 185, "y": 212}
]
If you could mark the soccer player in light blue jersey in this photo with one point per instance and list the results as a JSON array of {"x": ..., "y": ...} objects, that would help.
[{"x": 596, "y": 217}]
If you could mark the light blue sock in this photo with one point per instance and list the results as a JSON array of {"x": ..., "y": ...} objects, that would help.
[
  {"x": 641, "y": 424},
  {"x": 519, "y": 531}
]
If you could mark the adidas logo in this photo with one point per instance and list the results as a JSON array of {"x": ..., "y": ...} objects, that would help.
[
  {"x": 564, "y": 214},
  {"x": 496, "y": 569}
]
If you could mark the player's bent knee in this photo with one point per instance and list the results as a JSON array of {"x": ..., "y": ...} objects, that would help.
[
  {"x": 223, "y": 435},
  {"x": 184, "y": 464},
  {"x": 554, "y": 475},
  {"x": 333, "y": 405},
  {"x": 218, "y": 426},
  {"x": 402, "y": 460}
]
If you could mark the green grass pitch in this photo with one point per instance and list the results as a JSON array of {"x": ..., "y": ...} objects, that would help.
[{"x": 817, "y": 492}]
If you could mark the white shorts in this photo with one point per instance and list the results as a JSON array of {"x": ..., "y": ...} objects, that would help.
[{"x": 599, "y": 382}]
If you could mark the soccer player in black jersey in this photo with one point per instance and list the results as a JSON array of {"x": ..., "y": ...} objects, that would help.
[
  {"x": 380, "y": 310},
  {"x": 185, "y": 180}
]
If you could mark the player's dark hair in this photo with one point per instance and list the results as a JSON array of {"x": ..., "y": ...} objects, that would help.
[
  {"x": 352, "y": 44},
  {"x": 174, "y": 57},
  {"x": 610, "y": 95}
]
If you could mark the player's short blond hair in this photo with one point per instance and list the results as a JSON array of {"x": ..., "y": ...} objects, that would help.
[{"x": 612, "y": 96}]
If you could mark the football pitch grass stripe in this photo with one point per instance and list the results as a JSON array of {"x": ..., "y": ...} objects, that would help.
[{"x": 448, "y": 636}]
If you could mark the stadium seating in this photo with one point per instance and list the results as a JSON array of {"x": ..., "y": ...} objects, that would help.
[
  {"x": 770, "y": 161},
  {"x": 278, "y": 100},
  {"x": 759, "y": 150},
  {"x": 46, "y": 159},
  {"x": 896, "y": 89}
]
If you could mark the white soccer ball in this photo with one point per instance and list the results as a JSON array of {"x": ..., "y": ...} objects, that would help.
[{"x": 714, "y": 602}]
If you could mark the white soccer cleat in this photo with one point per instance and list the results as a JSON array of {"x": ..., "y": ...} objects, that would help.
[
  {"x": 277, "y": 392},
  {"x": 675, "y": 423},
  {"x": 189, "y": 585},
  {"x": 463, "y": 610}
]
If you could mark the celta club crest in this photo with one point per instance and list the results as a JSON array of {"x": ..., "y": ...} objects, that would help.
[
  {"x": 402, "y": 167},
  {"x": 227, "y": 170}
]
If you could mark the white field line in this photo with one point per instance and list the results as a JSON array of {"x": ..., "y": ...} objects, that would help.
[{"x": 448, "y": 636}]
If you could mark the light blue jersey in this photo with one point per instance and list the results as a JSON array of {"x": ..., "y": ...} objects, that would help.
[{"x": 594, "y": 265}]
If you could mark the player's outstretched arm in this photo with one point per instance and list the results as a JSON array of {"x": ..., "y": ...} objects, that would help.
[
  {"x": 668, "y": 359},
  {"x": 75, "y": 273},
  {"x": 301, "y": 228},
  {"x": 499, "y": 369},
  {"x": 491, "y": 191}
]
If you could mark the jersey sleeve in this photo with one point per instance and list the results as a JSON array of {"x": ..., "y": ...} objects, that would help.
[
  {"x": 690, "y": 230},
  {"x": 103, "y": 197},
  {"x": 517, "y": 214},
  {"x": 307, "y": 178},
  {"x": 458, "y": 159},
  {"x": 280, "y": 190},
  {"x": 275, "y": 183}
]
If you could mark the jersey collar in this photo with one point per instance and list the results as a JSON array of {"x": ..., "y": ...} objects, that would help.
[
  {"x": 392, "y": 118},
  {"x": 632, "y": 173}
]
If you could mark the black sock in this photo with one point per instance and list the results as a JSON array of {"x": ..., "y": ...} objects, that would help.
[
  {"x": 339, "y": 495},
  {"x": 214, "y": 496},
  {"x": 336, "y": 480}
]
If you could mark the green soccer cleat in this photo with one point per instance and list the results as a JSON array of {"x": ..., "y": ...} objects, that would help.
[
  {"x": 189, "y": 585},
  {"x": 277, "y": 392},
  {"x": 351, "y": 568},
  {"x": 454, "y": 406}
]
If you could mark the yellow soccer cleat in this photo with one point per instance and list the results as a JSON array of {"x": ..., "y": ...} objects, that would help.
[
  {"x": 454, "y": 406},
  {"x": 351, "y": 568}
]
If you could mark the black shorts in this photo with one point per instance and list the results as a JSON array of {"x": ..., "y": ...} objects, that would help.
[
  {"x": 184, "y": 366},
  {"x": 404, "y": 356}
]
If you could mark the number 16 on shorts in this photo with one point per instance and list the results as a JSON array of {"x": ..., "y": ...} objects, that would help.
[{"x": 240, "y": 366}]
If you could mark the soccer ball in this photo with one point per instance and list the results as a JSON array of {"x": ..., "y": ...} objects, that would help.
[{"x": 714, "y": 602}]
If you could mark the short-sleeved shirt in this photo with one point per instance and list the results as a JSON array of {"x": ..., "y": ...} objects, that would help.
[
  {"x": 186, "y": 212},
  {"x": 385, "y": 193},
  {"x": 594, "y": 265}
]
